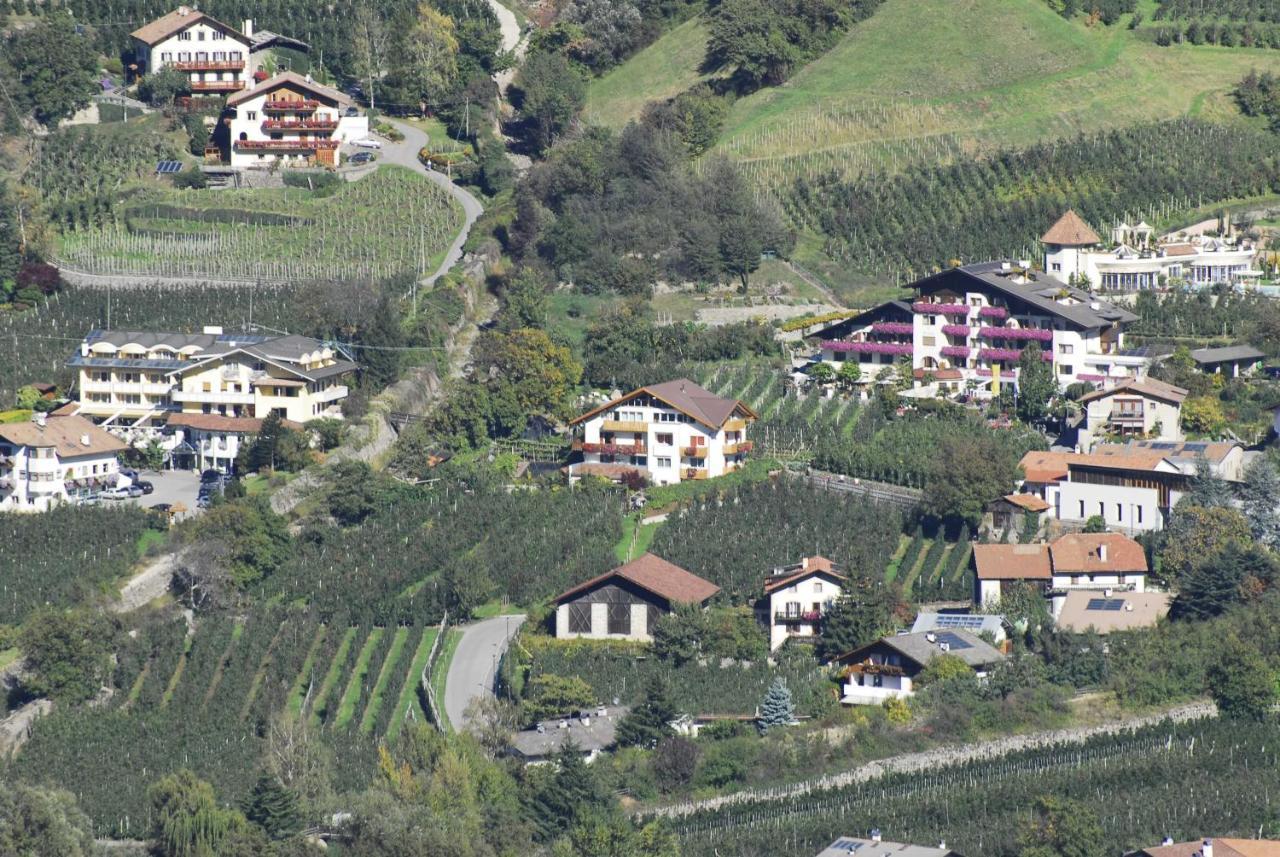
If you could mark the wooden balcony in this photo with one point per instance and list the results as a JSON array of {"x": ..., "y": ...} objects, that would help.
[
  {"x": 286, "y": 145},
  {"x": 209, "y": 65},
  {"x": 217, "y": 86},
  {"x": 297, "y": 105},
  {"x": 299, "y": 124},
  {"x": 806, "y": 617},
  {"x": 694, "y": 452},
  {"x": 609, "y": 448},
  {"x": 735, "y": 424},
  {"x": 625, "y": 426},
  {"x": 742, "y": 446},
  {"x": 695, "y": 473}
]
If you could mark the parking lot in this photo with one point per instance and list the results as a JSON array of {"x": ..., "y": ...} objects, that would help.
[{"x": 172, "y": 486}]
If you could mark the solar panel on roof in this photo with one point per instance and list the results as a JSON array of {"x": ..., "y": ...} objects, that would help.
[
  {"x": 966, "y": 622},
  {"x": 953, "y": 641},
  {"x": 166, "y": 167},
  {"x": 847, "y": 844},
  {"x": 1197, "y": 446},
  {"x": 1105, "y": 604}
]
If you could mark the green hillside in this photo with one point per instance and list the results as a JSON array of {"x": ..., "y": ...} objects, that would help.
[{"x": 934, "y": 78}]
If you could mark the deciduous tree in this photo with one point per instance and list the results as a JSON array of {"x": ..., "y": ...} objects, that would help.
[
  {"x": 1241, "y": 682},
  {"x": 37, "y": 822},
  {"x": 54, "y": 66}
]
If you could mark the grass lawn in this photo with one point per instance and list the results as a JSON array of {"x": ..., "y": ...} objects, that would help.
[
  {"x": 571, "y": 313},
  {"x": 409, "y": 691},
  {"x": 870, "y": 102},
  {"x": 633, "y": 529},
  {"x": 438, "y": 139},
  {"x": 441, "y": 672},
  {"x": 8, "y": 656},
  {"x": 495, "y": 607},
  {"x": 149, "y": 538}
]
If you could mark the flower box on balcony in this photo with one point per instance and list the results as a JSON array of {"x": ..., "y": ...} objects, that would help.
[
  {"x": 896, "y": 328},
  {"x": 1021, "y": 334},
  {"x": 940, "y": 309},
  {"x": 956, "y": 329},
  {"x": 614, "y": 448},
  {"x": 993, "y": 312},
  {"x": 900, "y": 349},
  {"x": 961, "y": 351},
  {"x": 1003, "y": 355}
]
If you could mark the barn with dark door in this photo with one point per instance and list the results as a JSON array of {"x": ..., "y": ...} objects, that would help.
[{"x": 624, "y": 603}]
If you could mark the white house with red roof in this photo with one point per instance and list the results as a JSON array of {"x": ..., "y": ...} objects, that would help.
[
  {"x": 215, "y": 56},
  {"x": 53, "y": 458},
  {"x": 1094, "y": 562},
  {"x": 669, "y": 432},
  {"x": 293, "y": 119},
  {"x": 624, "y": 603},
  {"x": 797, "y": 596}
]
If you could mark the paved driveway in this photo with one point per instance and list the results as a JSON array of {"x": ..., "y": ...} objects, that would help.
[
  {"x": 172, "y": 486},
  {"x": 473, "y": 669}
]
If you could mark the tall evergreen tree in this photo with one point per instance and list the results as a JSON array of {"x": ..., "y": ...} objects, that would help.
[
  {"x": 650, "y": 721},
  {"x": 1036, "y": 385},
  {"x": 777, "y": 708},
  {"x": 573, "y": 793},
  {"x": 1262, "y": 501},
  {"x": 272, "y": 807}
]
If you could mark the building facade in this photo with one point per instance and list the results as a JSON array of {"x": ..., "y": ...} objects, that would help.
[
  {"x": 670, "y": 432},
  {"x": 796, "y": 597},
  {"x": 1142, "y": 407},
  {"x": 1090, "y": 562},
  {"x": 292, "y": 119},
  {"x": 214, "y": 55},
  {"x": 624, "y": 603},
  {"x": 887, "y": 669},
  {"x": 972, "y": 322},
  {"x": 1134, "y": 260},
  {"x": 54, "y": 459}
]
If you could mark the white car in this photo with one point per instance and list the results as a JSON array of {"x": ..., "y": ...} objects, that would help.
[
  {"x": 120, "y": 492},
  {"x": 368, "y": 143}
]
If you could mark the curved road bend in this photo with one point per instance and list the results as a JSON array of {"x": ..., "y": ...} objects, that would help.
[
  {"x": 405, "y": 154},
  {"x": 472, "y": 672}
]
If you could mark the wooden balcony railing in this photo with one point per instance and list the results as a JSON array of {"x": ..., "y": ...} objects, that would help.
[
  {"x": 610, "y": 448},
  {"x": 740, "y": 446},
  {"x": 217, "y": 85},
  {"x": 209, "y": 65},
  {"x": 782, "y": 618},
  {"x": 287, "y": 145},
  {"x": 299, "y": 124},
  {"x": 694, "y": 452},
  {"x": 696, "y": 473},
  {"x": 634, "y": 426},
  {"x": 298, "y": 105}
]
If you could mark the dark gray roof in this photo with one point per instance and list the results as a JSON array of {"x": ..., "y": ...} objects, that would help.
[
  {"x": 150, "y": 338},
  {"x": 973, "y": 650},
  {"x": 596, "y": 734},
  {"x": 839, "y": 328},
  {"x": 1226, "y": 353},
  {"x": 283, "y": 351},
  {"x": 1042, "y": 293}
]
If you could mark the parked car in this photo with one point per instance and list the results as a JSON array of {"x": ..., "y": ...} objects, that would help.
[
  {"x": 368, "y": 143},
  {"x": 134, "y": 490},
  {"x": 147, "y": 487},
  {"x": 362, "y": 158},
  {"x": 160, "y": 507},
  {"x": 120, "y": 492},
  {"x": 210, "y": 477}
]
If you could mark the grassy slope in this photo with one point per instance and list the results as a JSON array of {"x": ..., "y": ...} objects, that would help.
[{"x": 924, "y": 78}]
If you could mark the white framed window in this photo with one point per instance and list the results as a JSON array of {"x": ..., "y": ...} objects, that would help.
[
  {"x": 1065, "y": 348},
  {"x": 184, "y": 36},
  {"x": 1064, "y": 370},
  {"x": 662, "y": 461},
  {"x": 251, "y": 115}
]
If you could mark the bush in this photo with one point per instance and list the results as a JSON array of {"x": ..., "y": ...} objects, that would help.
[
  {"x": 321, "y": 183},
  {"x": 190, "y": 179}
]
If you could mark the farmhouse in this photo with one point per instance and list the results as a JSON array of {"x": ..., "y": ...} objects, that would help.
[
  {"x": 290, "y": 118},
  {"x": 216, "y": 56},
  {"x": 53, "y": 459},
  {"x": 623, "y": 604},
  {"x": 1090, "y": 562},
  {"x": 888, "y": 667},
  {"x": 1142, "y": 407},
  {"x": 975, "y": 320},
  {"x": 1133, "y": 260},
  {"x": 796, "y": 597},
  {"x": 670, "y": 432}
]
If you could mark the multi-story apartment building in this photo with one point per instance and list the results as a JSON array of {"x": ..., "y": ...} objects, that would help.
[
  {"x": 130, "y": 376},
  {"x": 670, "y": 432},
  {"x": 290, "y": 117},
  {"x": 215, "y": 55},
  {"x": 1134, "y": 260},
  {"x": 972, "y": 322},
  {"x": 52, "y": 459}
]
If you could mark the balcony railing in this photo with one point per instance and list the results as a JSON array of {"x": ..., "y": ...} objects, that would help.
[
  {"x": 783, "y": 618},
  {"x": 940, "y": 309},
  {"x": 217, "y": 85},
  {"x": 299, "y": 124},
  {"x": 1126, "y": 417},
  {"x": 209, "y": 65},
  {"x": 287, "y": 145},
  {"x": 298, "y": 105},
  {"x": 213, "y": 398},
  {"x": 332, "y": 394},
  {"x": 696, "y": 473},
  {"x": 633, "y": 426},
  {"x": 735, "y": 424},
  {"x": 740, "y": 446},
  {"x": 694, "y": 452},
  {"x": 610, "y": 448}
]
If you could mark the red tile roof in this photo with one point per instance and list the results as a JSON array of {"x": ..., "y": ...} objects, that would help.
[
  {"x": 1012, "y": 562},
  {"x": 808, "y": 567},
  {"x": 1045, "y": 466},
  {"x": 1030, "y": 502},
  {"x": 1147, "y": 387},
  {"x": 653, "y": 574},
  {"x": 1221, "y": 848},
  {"x": 217, "y": 422},
  {"x": 685, "y": 396},
  {"x": 1079, "y": 553}
]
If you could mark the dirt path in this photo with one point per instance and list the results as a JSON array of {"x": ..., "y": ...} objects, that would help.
[
  {"x": 511, "y": 41},
  {"x": 931, "y": 759}
]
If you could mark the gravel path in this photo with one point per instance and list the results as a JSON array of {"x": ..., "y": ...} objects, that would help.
[{"x": 931, "y": 759}]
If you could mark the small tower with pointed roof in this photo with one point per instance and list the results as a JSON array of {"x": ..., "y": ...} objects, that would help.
[{"x": 1064, "y": 244}]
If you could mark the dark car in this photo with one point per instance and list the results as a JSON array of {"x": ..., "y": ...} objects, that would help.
[
  {"x": 161, "y": 507},
  {"x": 146, "y": 487},
  {"x": 210, "y": 477},
  {"x": 362, "y": 158}
]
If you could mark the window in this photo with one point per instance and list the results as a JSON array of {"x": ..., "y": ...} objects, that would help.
[
  {"x": 200, "y": 36},
  {"x": 792, "y": 608},
  {"x": 697, "y": 440},
  {"x": 930, "y": 341},
  {"x": 1057, "y": 266},
  {"x": 619, "y": 618},
  {"x": 219, "y": 56},
  {"x": 930, "y": 319},
  {"x": 184, "y": 36},
  {"x": 1065, "y": 348},
  {"x": 218, "y": 35},
  {"x": 1064, "y": 369},
  {"x": 1102, "y": 512},
  {"x": 817, "y": 586},
  {"x": 840, "y": 356},
  {"x": 184, "y": 56},
  {"x": 251, "y": 115},
  {"x": 166, "y": 56},
  {"x": 662, "y": 462},
  {"x": 1139, "y": 509},
  {"x": 1082, "y": 509},
  {"x": 235, "y": 56},
  {"x": 579, "y": 618},
  {"x": 666, "y": 439},
  {"x": 1119, "y": 511}
]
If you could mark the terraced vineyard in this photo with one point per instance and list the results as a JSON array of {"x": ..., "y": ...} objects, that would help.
[
  {"x": 210, "y": 699},
  {"x": 391, "y": 223}
]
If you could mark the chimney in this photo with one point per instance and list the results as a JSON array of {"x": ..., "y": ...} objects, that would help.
[
  {"x": 39, "y": 418},
  {"x": 84, "y": 440},
  {"x": 804, "y": 563},
  {"x": 1102, "y": 552},
  {"x": 247, "y": 27},
  {"x": 1207, "y": 849},
  {"x": 212, "y": 330},
  {"x": 1166, "y": 842},
  {"x": 184, "y": 11}
]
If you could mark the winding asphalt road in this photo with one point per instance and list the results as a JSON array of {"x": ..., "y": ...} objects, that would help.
[
  {"x": 474, "y": 666},
  {"x": 405, "y": 154}
]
